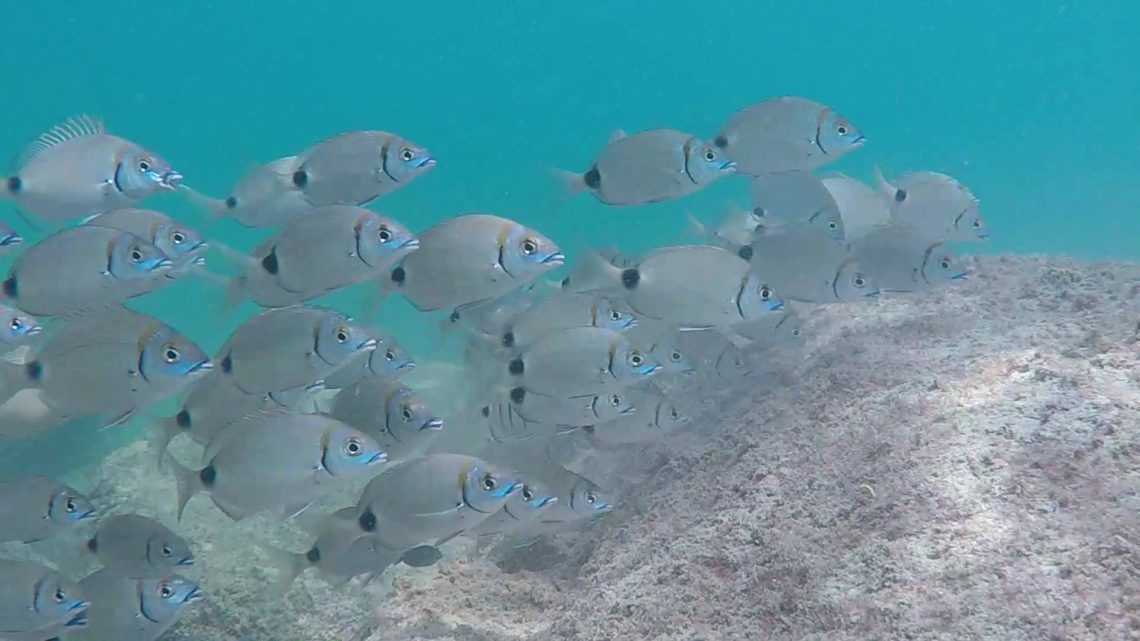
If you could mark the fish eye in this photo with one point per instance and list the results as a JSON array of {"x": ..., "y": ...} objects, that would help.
[
  {"x": 615, "y": 400},
  {"x": 832, "y": 225},
  {"x": 71, "y": 507},
  {"x": 796, "y": 332},
  {"x": 136, "y": 255},
  {"x": 765, "y": 292},
  {"x": 341, "y": 335},
  {"x": 406, "y": 413},
  {"x": 674, "y": 414},
  {"x": 407, "y": 154},
  {"x": 352, "y": 447},
  {"x": 635, "y": 359},
  {"x": 710, "y": 155},
  {"x": 945, "y": 263},
  {"x": 527, "y": 494},
  {"x": 385, "y": 234},
  {"x": 171, "y": 354},
  {"x": 60, "y": 595},
  {"x": 144, "y": 165},
  {"x": 591, "y": 498},
  {"x": 164, "y": 590},
  {"x": 615, "y": 315},
  {"x": 166, "y": 551},
  {"x": 389, "y": 356},
  {"x": 16, "y": 324},
  {"x": 841, "y": 130},
  {"x": 178, "y": 238},
  {"x": 977, "y": 224},
  {"x": 489, "y": 482},
  {"x": 859, "y": 281},
  {"x": 675, "y": 356},
  {"x": 529, "y": 246}
]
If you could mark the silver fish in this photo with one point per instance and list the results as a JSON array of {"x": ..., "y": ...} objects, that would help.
[
  {"x": 277, "y": 459},
  {"x": 901, "y": 259},
  {"x": 804, "y": 264},
  {"x": 290, "y": 347},
  {"x": 556, "y": 412},
  {"x": 264, "y": 197},
  {"x": 717, "y": 356},
  {"x": 690, "y": 286},
  {"x": 387, "y": 362},
  {"x": 138, "y": 547},
  {"x": 184, "y": 247},
  {"x": 433, "y": 498},
  {"x": 36, "y": 508},
  {"x": 341, "y": 551},
  {"x": 16, "y": 327},
  {"x": 797, "y": 197},
  {"x": 523, "y": 507},
  {"x": 651, "y": 166},
  {"x": 861, "y": 208},
  {"x": 657, "y": 417},
  {"x": 126, "y": 609},
  {"x": 9, "y": 238},
  {"x": 488, "y": 320},
  {"x": 734, "y": 229},
  {"x": 936, "y": 205},
  {"x": 580, "y": 361},
  {"x": 473, "y": 258},
  {"x": 83, "y": 268},
  {"x": 563, "y": 311},
  {"x": 786, "y": 134},
  {"x": 660, "y": 340},
  {"x": 76, "y": 168},
  {"x": 579, "y": 498},
  {"x": 34, "y": 597},
  {"x": 389, "y": 412},
  {"x": 355, "y": 167},
  {"x": 322, "y": 250},
  {"x": 110, "y": 365}
]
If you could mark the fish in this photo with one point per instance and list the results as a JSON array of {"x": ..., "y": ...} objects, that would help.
[
  {"x": 657, "y": 417},
  {"x": 660, "y": 340},
  {"x": 579, "y": 498},
  {"x": 109, "y": 365},
  {"x": 9, "y": 238},
  {"x": 715, "y": 356},
  {"x": 804, "y": 264},
  {"x": 84, "y": 268},
  {"x": 538, "y": 414},
  {"x": 76, "y": 168},
  {"x": 473, "y": 258},
  {"x": 37, "y": 508},
  {"x": 126, "y": 609},
  {"x": 277, "y": 459},
  {"x": 139, "y": 547},
  {"x": 34, "y": 597},
  {"x": 861, "y": 208},
  {"x": 263, "y": 197},
  {"x": 524, "y": 506},
  {"x": 319, "y": 251},
  {"x": 388, "y": 362},
  {"x": 785, "y": 329},
  {"x": 935, "y": 205},
  {"x": 734, "y": 230},
  {"x": 16, "y": 327},
  {"x": 355, "y": 167},
  {"x": 488, "y": 320},
  {"x": 797, "y": 197},
  {"x": 580, "y": 361},
  {"x": 690, "y": 286},
  {"x": 902, "y": 259},
  {"x": 289, "y": 347},
  {"x": 650, "y": 166},
  {"x": 389, "y": 412},
  {"x": 433, "y": 498},
  {"x": 210, "y": 405},
  {"x": 563, "y": 311},
  {"x": 184, "y": 247},
  {"x": 787, "y": 133}
]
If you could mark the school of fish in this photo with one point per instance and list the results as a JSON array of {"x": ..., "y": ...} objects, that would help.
[{"x": 302, "y": 400}]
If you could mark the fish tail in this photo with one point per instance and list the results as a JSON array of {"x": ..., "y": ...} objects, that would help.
[
  {"x": 188, "y": 483},
  {"x": 6, "y": 183},
  {"x": 236, "y": 291},
  {"x": 215, "y": 206},
  {"x": 696, "y": 227},
  {"x": 166, "y": 428},
  {"x": 573, "y": 182},
  {"x": 885, "y": 188},
  {"x": 288, "y": 566},
  {"x": 593, "y": 273}
]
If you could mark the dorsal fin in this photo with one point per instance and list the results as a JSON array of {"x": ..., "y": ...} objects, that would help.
[
  {"x": 74, "y": 127},
  {"x": 617, "y": 135}
]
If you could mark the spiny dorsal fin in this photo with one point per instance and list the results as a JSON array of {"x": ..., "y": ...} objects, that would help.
[{"x": 74, "y": 127}]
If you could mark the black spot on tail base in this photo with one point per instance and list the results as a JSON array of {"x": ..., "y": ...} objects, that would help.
[
  {"x": 518, "y": 395},
  {"x": 313, "y": 556},
  {"x": 454, "y": 317},
  {"x": 231, "y": 202},
  {"x": 300, "y": 178},
  {"x": 269, "y": 263},
  {"x": 486, "y": 411},
  {"x": 34, "y": 370},
  {"x": 367, "y": 521},
  {"x": 516, "y": 367},
  {"x": 14, "y": 184},
  {"x": 721, "y": 141},
  {"x": 182, "y": 419},
  {"x": 508, "y": 339},
  {"x": 630, "y": 278},
  {"x": 93, "y": 545},
  {"x": 12, "y": 288},
  {"x": 399, "y": 275},
  {"x": 745, "y": 252},
  {"x": 592, "y": 178},
  {"x": 565, "y": 282},
  {"x": 227, "y": 364},
  {"x": 900, "y": 195},
  {"x": 208, "y": 476}
]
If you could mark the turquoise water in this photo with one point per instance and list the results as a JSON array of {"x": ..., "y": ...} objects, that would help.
[{"x": 1031, "y": 105}]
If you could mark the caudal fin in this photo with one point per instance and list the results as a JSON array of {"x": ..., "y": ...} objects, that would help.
[
  {"x": 215, "y": 206},
  {"x": 287, "y": 565},
  {"x": 574, "y": 183},
  {"x": 593, "y": 273},
  {"x": 188, "y": 481},
  {"x": 166, "y": 428}
]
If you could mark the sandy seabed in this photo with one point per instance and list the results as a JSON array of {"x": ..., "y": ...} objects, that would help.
[{"x": 958, "y": 465}]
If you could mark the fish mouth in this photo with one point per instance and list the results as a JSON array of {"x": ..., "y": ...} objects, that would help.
[
  {"x": 433, "y": 424},
  {"x": 557, "y": 258},
  {"x": 427, "y": 163},
  {"x": 368, "y": 345},
  {"x": 378, "y": 457},
  {"x": 203, "y": 366},
  {"x": 506, "y": 490},
  {"x": 186, "y": 561},
  {"x": 11, "y": 239},
  {"x": 729, "y": 167},
  {"x": 858, "y": 140},
  {"x": 775, "y": 305},
  {"x": 201, "y": 244},
  {"x": 79, "y": 620},
  {"x": 959, "y": 276},
  {"x": 33, "y": 330},
  {"x": 170, "y": 180},
  {"x": 874, "y": 294},
  {"x": 89, "y": 514},
  {"x": 544, "y": 501},
  {"x": 163, "y": 264},
  {"x": 411, "y": 243},
  {"x": 194, "y": 595}
]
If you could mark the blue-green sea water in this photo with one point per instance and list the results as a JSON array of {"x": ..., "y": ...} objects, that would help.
[{"x": 1030, "y": 104}]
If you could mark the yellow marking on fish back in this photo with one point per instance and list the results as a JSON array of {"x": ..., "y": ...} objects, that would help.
[
  {"x": 594, "y": 313},
  {"x": 463, "y": 471}
]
